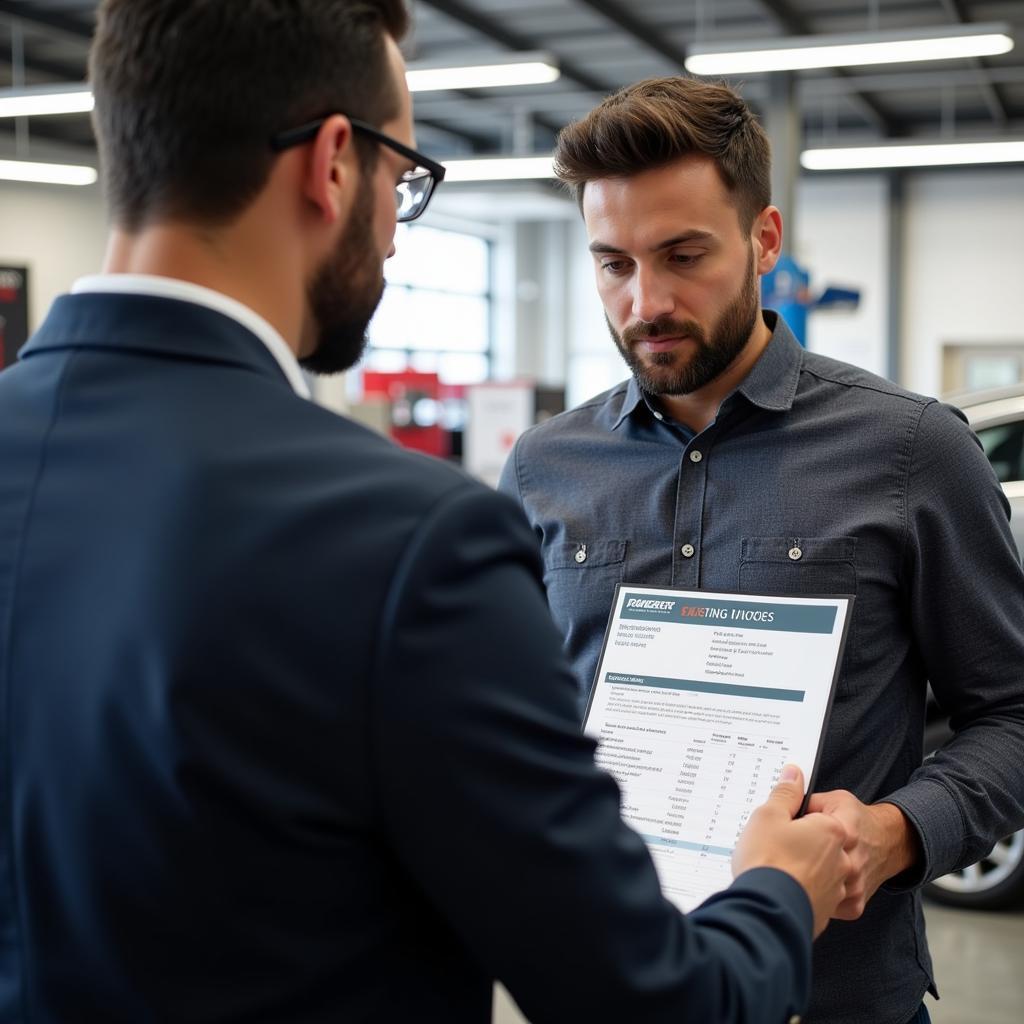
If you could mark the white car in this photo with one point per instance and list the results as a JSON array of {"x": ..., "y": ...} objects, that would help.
[
  {"x": 997, "y": 880},
  {"x": 997, "y": 417}
]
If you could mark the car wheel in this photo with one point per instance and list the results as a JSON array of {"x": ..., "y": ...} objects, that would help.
[{"x": 997, "y": 880}]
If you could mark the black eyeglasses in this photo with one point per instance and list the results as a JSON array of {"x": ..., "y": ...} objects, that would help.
[{"x": 412, "y": 193}]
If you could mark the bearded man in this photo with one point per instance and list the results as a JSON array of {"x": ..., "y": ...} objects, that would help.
[{"x": 734, "y": 461}]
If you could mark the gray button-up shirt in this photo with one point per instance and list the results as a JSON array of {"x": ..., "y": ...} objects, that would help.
[{"x": 817, "y": 477}]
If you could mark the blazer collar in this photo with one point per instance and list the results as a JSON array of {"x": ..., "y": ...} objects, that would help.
[
  {"x": 189, "y": 291},
  {"x": 151, "y": 324}
]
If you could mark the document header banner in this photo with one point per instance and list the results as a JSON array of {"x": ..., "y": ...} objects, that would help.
[{"x": 787, "y": 618}]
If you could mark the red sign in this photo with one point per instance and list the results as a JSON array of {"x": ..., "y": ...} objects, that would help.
[
  {"x": 13, "y": 312},
  {"x": 415, "y": 408}
]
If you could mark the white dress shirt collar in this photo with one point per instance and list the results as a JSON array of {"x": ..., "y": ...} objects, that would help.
[{"x": 186, "y": 291}]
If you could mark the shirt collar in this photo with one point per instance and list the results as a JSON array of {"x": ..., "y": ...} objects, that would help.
[
  {"x": 773, "y": 379},
  {"x": 632, "y": 397},
  {"x": 186, "y": 291},
  {"x": 770, "y": 385}
]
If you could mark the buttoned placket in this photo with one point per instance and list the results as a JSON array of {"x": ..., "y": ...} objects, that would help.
[{"x": 691, "y": 487}]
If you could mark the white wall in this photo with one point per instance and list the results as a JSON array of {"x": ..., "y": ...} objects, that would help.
[
  {"x": 963, "y": 271},
  {"x": 842, "y": 238},
  {"x": 58, "y": 232}
]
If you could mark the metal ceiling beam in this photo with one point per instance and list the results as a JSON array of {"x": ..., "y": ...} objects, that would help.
[
  {"x": 433, "y": 108},
  {"x": 909, "y": 80},
  {"x": 479, "y": 141},
  {"x": 476, "y": 140},
  {"x": 995, "y": 102},
  {"x": 559, "y": 105},
  {"x": 491, "y": 29},
  {"x": 30, "y": 14},
  {"x": 45, "y": 133},
  {"x": 61, "y": 72},
  {"x": 486, "y": 26},
  {"x": 794, "y": 24},
  {"x": 57, "y": 69},
  {"x": 636, "y": 29}
]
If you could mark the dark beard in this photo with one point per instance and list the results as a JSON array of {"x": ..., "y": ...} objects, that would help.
[
  {"x": 661, "y": 373},
  {"x": 346, "y": 291}
]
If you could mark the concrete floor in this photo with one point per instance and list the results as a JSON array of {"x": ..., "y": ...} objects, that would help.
[{"x": 979, "y": 966}]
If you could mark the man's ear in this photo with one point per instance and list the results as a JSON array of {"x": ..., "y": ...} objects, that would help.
[
  {"x": 766, "y": 238},
  {"x": 332, "y": 169}
]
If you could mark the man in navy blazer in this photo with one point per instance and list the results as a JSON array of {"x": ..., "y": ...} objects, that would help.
[{"x": 285, "y": 729}]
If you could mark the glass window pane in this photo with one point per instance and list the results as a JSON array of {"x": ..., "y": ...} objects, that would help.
[
  {"x": 1004, "y": 446},
  {"x": 988, "y": 370},
  {"x": 589, "y": 375},
  {"x": 431, "y": 320},
  {"x": 424, "y": 362},
  {"x": 384, "y": 361},
  {"x": 456, "y": 368},
  {"x": 391, "y": 321},
  {"x": 435, "y": 315},
  {"x": 435, "y": 320},
  {"x": 442, "y": 260}
]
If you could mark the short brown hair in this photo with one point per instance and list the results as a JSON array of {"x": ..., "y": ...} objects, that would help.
[
  {"x": 660, "y": 120},
  {"x": 190, "y": 92}
]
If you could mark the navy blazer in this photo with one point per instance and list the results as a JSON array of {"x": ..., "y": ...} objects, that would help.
[{"x": 286, "y": 733}]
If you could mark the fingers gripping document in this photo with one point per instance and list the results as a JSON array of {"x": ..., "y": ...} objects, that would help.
[{"x": 699, "y": 700}]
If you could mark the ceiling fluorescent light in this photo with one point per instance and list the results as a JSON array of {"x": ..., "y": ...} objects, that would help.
[
  {"x": 499, "y": 169},
  {"x": 921, "y": 154},
  {"x": 524, "y": 69},
  {"x": 536, "y": 70},
  {"x": 46, "y": 174},
  {"x": 798, "y": 53},
  {"x": 46, "y": 100}
]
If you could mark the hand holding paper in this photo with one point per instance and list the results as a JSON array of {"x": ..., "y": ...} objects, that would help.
[
  {"x": 811, "y": 848},
  {"x": 883, "y": 843}
]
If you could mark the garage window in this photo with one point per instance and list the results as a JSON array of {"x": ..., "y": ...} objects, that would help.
[{"x": 435, "y": 316}]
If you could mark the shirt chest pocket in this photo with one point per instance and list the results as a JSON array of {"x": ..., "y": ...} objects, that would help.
[
  {"x": 580, "y": 577},
  {"x": 798, "y": 565}
]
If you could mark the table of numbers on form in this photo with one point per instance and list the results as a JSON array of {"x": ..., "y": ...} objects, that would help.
[{"x": 691, "y": 814}]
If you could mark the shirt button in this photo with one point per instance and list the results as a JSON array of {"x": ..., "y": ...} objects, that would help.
[
  {"x": 581, "y": 555},
  {"x": 795, "y": 554},
  {"x": 695, "y": 456},
  {"x": 687, "y": 551},
  {"x": 658, "y": 416},
  {"x": 796, "y": 1019}
]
